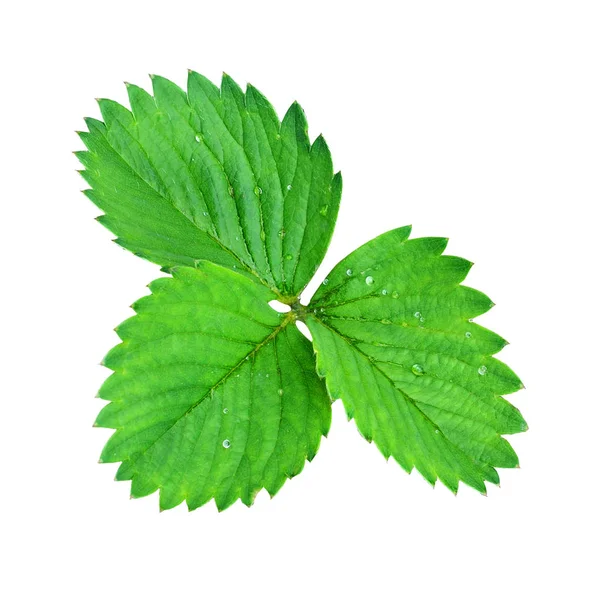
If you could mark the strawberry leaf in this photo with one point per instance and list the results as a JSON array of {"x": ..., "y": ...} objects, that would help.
[
  {"x": 212, "y": 174},
  {"x": 214, "y": 394},
  {"x": 393, "y": 333}
]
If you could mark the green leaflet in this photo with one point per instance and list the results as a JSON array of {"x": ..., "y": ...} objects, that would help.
[
  {"x": 212, "y": 174},
  {"x": 213, "y": 395},
  {"x": 393, "y": 334},
  {"x": 216, "y": 395}
]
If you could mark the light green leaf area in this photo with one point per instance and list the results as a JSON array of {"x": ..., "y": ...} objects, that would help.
[
  {"x": 214, "y": 394},
  {"x": 392, "y": 329},
  {"x": 212, "y": 174}
]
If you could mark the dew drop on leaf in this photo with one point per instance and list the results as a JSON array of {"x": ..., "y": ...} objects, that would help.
[
  {"x": 197, "y": 138},
  {"x": 225, "y": 411},
  {"x": 395, "y": 295},
  {"x": 482, "y": 370},
  {"x": 384, "y": 292},
  {"x": 468, "y": 334},
  {"x": 325, "y": 281},
  {"x": 348, "y": 272},
  {"x": 226, "y": 443},
  {"x": 288, "y": 257},
  {"x": 418, "y": 369},
  {"x": 280, "y": 392},
  {"x": 418, "y": 315},
  {"x": 289, "y": 187},
  {"x": 323, "y": 210},
  {"x": 369, "y": 280}
]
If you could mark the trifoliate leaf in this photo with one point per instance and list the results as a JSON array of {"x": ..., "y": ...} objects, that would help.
[
  {"x": 394, "y": 338},
  {"x": 214, "y": 394},
  {"x": 212, "y": 174}
]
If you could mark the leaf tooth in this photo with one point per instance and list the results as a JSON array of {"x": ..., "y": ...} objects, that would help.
[
  {"x": 85, "y": 158},
  {"x": 141, "y": 486},
  {"x": 113, "y": 112},
  {"x": 142, "y": 103},
  {"x": 166, "y": 93},
  {"x": 95, "y": 126},
  {"x": 294, "y": 127},
  {"x": 169, "y": 499}
]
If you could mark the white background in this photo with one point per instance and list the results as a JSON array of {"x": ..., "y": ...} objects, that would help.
[{"x": 474, "y": 120}]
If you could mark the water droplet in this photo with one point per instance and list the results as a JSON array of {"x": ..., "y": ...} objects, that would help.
[
  {"x": 280, "y": 392},
  {"x": 323, "y": 210},
  {"x": 482, "y": 370},
  {"x": 226, "y": 443},
  {"x": 281, "y": 233},
  {"x": 467, "y": 334},
  {"x": 395, "y": 295},
  {"x": 369, "y": 280},
  {"x": 198, "y": 138},
  {"x": 348, "y": 272},
  {"x": 258, "y": 191},
  {"x": 422, "y": 320},
  {"x": 289, "y": 187},
  {"x": 267, "y": 375},
  {"x": 437, "y": 430},
  {"x": 225, "y": 411},
  {"x": 386, "y": 321},
  {"x": 288, "y": 257},
  {"x": 205, "y": 214},
  {"x": 325, "y": 281},
  {"x": 384, "y": 292},
  {"x": 321, "y": 310},
  {"x": 417, "y": 369},
  {"x": 418, "y": 315}
]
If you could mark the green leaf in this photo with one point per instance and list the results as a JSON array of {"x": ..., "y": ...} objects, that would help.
[
  {"x": 214, "y": 394},
  {"x": 212, "y": 174},
  {"x": 394, "y": 338}
]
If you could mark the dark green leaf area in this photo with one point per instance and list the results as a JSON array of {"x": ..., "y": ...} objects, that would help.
[{"x": 212, "y": 174}]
